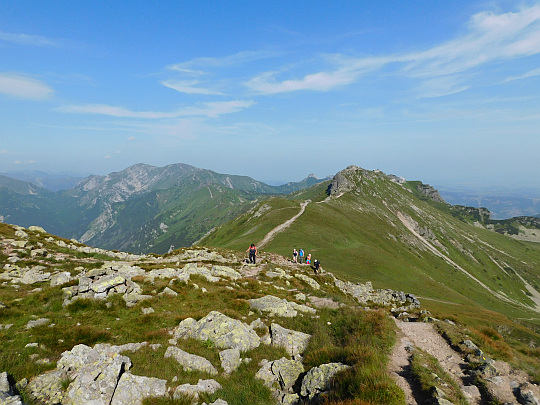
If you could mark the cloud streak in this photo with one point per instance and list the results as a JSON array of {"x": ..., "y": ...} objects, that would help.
[
  {"x": 210, "y": 110},
  {"x": 24, "y": 87},
  {"x": 490, "y": 38},
  {"x": 28, "y": 40}
]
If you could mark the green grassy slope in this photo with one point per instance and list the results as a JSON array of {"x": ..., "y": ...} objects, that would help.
[{"x": 374, "y": 229}]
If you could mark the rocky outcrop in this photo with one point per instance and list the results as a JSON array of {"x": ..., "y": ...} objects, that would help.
[
  {"x": 364, "y": 293},
  {"x": 429, "y": 192},
  {"x": 275, "y": 306},
  {"x": 190, "y": 362},
  {"x": 280, "y": 376},
  {"x": 202, "y": 386},
  {"x": 224, "y": 332},
  {"x": 292, "y": 341},
  {"x": 7, "y": 391},
  {"x": 97, "y": 376},
  {"x": 317, "y": 380}
]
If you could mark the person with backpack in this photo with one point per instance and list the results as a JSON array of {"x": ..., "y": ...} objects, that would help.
[
  {"x": 301, "y": 255},
  {"x": 252, "y": 253},
  {"x": 317, "y": 265}
]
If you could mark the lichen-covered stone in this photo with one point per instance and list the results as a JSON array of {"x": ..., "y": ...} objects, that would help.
[
  {"x": 47, "y": 388},
  {"x": 190, "y": 362},
  {"x": 7, "y": 393},
  {"x": 230, "y": 360},
  {"x": 317, "y": 380},
  {"x": 279, "y": 307},
  {"x": 308, "y": 280},
  {"x": 60, "y": 278},
  {"x": 206, "y": 386},
  {"x": 224, "y": 332},
  {"x": 132, "y": 389},
  {"x": 292, "y": 341}
]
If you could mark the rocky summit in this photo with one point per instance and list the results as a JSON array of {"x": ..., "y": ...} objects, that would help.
[{"x": 82, "y": 325}]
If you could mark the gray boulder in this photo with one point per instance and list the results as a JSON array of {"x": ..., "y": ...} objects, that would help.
[
  {"x": 7, "y": 393},
  {"x": 37, "y": 322},
  {"x": 280, "y": 375},
  {"x": 292, "y": 341},
  {"x": 230, "y": 360},
  {"x": 275, "y": 306},
  {"x": 318, "y": 379},
  {"x": 47, "y": 388},
  {"x": 202, "y": 386},
  {"x": 60, "y": 278},
  {"x": 190, "y": 362},
  {"x": 224, "y": 332},
  {"x": 132, "y": 389}
]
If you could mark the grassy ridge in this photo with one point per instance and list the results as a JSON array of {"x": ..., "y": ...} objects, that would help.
[{"x": 375, "y": 232}]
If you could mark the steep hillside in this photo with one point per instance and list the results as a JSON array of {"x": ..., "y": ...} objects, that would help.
[
  {"x": 370, "y": 228},
  {"x": 82, "y": 325}
]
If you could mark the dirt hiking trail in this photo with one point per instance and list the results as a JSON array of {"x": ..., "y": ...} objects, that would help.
[{"x": 280, "y": 228}]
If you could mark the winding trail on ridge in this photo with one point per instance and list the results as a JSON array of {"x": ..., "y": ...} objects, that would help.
[{"x": 280, "y": 228}]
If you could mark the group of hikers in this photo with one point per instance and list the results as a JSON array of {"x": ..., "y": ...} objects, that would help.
[{"x": 298, "y": 257}]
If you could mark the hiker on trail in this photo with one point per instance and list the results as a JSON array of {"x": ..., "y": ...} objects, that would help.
[
  {"x": 252, "y": 253},
  {"x": 301, "y": 255},
  {"x": 308, "y": 259},
  {"x": 317, "y": 265},
  {"x": 295, "y": 256}
]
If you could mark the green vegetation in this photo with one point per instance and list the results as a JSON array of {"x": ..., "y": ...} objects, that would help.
[{"x": 433, "y": 380}]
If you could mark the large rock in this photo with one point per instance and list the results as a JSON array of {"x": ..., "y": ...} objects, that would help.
[
  {"x": 318, "y": 379},
  {"x": 132, "y": 389},
  {"x": 292, "y": 341},
  {"x": 230, "y": 360},
  {"x": 47, "y": 388},
  {"x": 7, "y": 393},
  {"x": 60, "y": 278},
  {"x": 280, "y": 375},
  {"x": 279, "y": 307},
  {"x": 312, "y": 283},
  {"x": 224, "y": 332},
  {"x": 190, "y": 362},
  {"x": 203, "y": 386}
]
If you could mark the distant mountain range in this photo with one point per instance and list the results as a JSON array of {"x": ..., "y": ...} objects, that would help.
[
  {"x": 140, "y": 209},
  {"x": 51, "y": 182}
]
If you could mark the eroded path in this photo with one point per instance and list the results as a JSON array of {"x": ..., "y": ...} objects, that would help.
[
  {"x": 280, "y": 228},
  {"x": 423, "y": 336}
]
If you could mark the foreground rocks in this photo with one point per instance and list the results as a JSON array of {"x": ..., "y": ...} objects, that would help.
[{"x": 98, "y": 375}]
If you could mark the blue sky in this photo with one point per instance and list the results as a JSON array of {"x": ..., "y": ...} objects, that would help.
[{"x": 447, "y": 92}]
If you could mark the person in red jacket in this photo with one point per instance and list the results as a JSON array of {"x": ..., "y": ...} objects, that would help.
[{"x": 252, "y": 253}]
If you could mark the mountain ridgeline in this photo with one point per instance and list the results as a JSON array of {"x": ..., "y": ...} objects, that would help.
[
  {"x": 141, "y": 209},
  {"x": 365, "y": 226}
]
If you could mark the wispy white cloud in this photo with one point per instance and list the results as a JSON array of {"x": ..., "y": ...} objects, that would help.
[
  {"x": 490, "y": 38},
  {"x": 3, "y": 152},
  {"x": 24, "y": 162},
  {"x": 24, "y": 39},
  {"x": 211, "y": 110},
  {"x": 24, "y": 87},
  {"x": 530, "y": 73},
  {"x": 189, "y": 87},
  {"x": 229, "y": 60}
]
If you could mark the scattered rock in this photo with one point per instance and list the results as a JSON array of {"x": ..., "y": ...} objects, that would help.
[
  {"x": 279, "y": 307},
  {"x": 203, "y": 386},
  {"x": 190, "y": 362},
  {"x": 230, "y": 360},
  {"x": 292, "y": 341},
  {"x": 7, "y": 391},
  {"x": 37, "y": 322},
  {"x": 317, "y": 380},
  {"x": 224, "y": 332}
]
